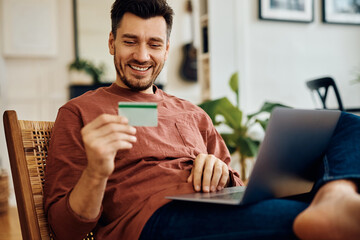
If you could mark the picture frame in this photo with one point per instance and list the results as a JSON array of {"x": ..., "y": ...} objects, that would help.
[
  {"x": 29, "y": 28},
  {"x": 341, "y": 12},
  {"x": 301, "y": 11}
]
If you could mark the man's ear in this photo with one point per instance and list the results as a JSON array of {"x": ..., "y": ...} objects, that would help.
[{"x": 111, "y": 44}]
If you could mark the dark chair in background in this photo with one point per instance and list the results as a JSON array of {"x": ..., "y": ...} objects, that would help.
[{"x": 322, "y": 86}]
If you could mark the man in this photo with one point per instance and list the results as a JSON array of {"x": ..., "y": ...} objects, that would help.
[{"x": 108, "y": 177}]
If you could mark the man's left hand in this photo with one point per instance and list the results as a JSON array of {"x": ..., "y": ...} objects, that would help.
[{"x": 209, "y": 173}]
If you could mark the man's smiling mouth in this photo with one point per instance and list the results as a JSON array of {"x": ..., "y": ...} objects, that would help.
[{"x": 139, "y": 68}]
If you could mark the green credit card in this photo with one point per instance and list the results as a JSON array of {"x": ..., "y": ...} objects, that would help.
[{"x": 139, "y": 113}]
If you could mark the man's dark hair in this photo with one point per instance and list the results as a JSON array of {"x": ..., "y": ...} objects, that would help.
[{"x": 142, "y": 8}]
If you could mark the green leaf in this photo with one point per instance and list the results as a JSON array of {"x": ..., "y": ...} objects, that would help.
[
  {"x": 229, "y": 139},
  {"x": 234, "y": 82},
  {"x": 234, "y": 85},
  {"x": 90, "y": 68},
  {"x": 263, "y": 123},
  {"x": 238, "y": 140},
  {"x": 222, "y": 106},
  {"x": 267, "y": 107},
  {"x": 232, "y": 116},
  {"x": 247, "y": 146},
  {"x": 211, "y": 108}
]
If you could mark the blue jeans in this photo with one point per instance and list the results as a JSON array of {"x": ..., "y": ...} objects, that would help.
[{"x": 269, "y": 219}]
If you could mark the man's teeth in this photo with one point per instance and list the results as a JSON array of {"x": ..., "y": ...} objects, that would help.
[{"x": 139, "y": 68}]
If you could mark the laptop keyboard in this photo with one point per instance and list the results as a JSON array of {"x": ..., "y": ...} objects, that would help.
[{"x": 232, "y": 196}]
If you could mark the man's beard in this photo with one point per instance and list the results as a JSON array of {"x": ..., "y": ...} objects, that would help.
[{"x": 136, "y": 85}]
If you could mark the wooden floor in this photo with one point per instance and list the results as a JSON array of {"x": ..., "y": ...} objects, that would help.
[{"x": 9, "y": 225}]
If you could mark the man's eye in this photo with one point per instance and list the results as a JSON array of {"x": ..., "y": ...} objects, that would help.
[
  {"x": 154, "y": 45},
  {"x": 129, "y": 42}
]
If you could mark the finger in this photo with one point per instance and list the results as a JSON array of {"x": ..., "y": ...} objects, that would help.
[
  {"x": 107, "y": 130},
  {"x": 224, "y": 177},
  {"x": 119, "y": 136},
  {"x": 216, "y": 175},
  {"x": 113, "y": 128},
  {"x": 198, "y": 167},
  {"x": 107, "y": 118},
  {"x": 104, "y": 149},
  {"x": 121, "y": 145},
  {"x": 103, "y": 120},
  {"x": 208, "y": 172},
  {"x": 190, "y": 178},
  {"x": 102, "y": 146}
]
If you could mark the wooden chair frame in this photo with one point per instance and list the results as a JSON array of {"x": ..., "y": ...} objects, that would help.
[{"x": 27, "y": 143}]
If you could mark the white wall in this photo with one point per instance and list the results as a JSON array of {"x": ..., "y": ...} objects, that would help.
[
  {"x": 223, "y": 46},
  {"x": 274, "y": 59},
  {"x": 277, "y": 58},
  {"x": 37, "y": 87},
  {"x": 4, "y": 163},
  {"x": 93, "y": 34},
  {"x": 180, "y": 35}
]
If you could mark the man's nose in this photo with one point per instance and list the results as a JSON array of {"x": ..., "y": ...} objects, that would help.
[{"x": 142, "y": 53}]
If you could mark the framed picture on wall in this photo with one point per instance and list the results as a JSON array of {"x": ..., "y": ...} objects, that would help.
[
  {"x": 29, "y": 28},
  {"x": 341, "y": 12},
  {"x": 287, "y": 10}
]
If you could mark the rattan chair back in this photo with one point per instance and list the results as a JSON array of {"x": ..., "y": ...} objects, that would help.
[{"x": 27, "y": 143}]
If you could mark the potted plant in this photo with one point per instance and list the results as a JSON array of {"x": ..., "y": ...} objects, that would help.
[
  {"x": 86, "y": 72},
  {"x": 238, "y": 140}
]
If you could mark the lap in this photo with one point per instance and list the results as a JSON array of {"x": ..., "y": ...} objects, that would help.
[{"x": 270, "y": 219}]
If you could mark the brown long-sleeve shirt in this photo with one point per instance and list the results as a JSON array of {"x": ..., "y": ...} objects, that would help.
[{"x": 157, "y": 166}]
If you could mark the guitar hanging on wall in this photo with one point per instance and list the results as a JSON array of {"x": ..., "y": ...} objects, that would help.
[{"x": 188, "y": 70}]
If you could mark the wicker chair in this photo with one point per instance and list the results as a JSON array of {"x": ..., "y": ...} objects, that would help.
[{"x": 27, "y": 143}]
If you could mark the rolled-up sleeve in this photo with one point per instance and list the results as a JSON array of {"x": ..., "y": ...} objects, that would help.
[{"x": 66, "y": 224}]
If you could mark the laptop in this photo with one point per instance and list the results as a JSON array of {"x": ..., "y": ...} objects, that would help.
[{"x": 294, "y": 144}]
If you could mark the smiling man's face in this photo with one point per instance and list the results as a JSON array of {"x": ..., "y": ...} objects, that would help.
[{"x": 140, "y": 51}]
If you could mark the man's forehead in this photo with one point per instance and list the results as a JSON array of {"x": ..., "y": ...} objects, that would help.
[{"x": 131, "y": 24}]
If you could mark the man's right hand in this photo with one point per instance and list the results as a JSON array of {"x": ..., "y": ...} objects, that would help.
[{"x": 102, "y": 138}]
